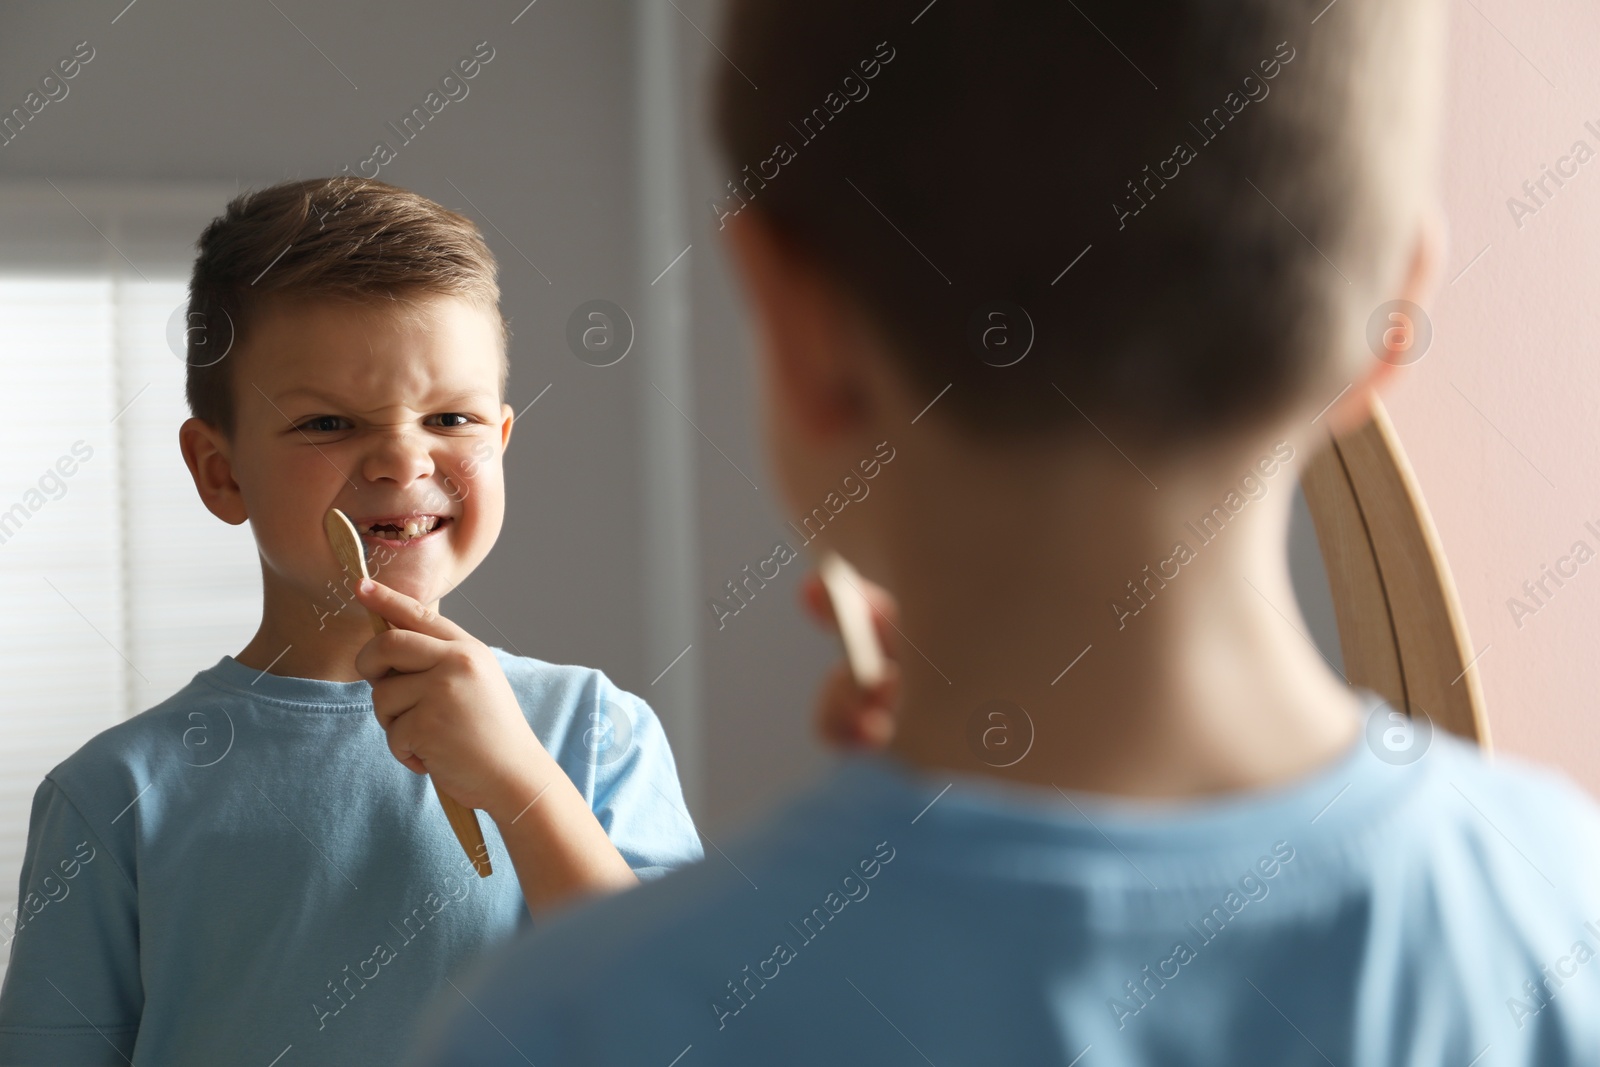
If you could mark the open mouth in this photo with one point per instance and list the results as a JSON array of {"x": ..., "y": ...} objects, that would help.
[{"x": 403, "y": 529}]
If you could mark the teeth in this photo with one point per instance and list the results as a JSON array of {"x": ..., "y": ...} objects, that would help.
[{"x": 410, "y": 529}]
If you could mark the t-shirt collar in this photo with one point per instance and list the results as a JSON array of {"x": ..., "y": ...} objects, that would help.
[{"x": 231, "y": 675}]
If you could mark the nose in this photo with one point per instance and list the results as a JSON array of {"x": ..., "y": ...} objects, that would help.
[{"x": 400, "y": 457}]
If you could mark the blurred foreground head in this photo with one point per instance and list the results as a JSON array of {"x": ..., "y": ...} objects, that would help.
[{"x": 1234, "y": 186}]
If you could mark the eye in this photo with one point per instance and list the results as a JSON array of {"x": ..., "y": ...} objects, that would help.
[
  {"x": 324, "y": 424},
  {"x": 453, "y": 420}
]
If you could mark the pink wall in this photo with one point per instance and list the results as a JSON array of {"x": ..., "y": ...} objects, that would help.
[{"x": 1499, "y": 418}]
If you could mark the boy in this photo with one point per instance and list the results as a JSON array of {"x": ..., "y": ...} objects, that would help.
[
  {"x": 1108, "y": 829},
  {"x": 242, "y": 874}
]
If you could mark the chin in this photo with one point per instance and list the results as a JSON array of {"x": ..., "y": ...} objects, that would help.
[
  {"x": 419, "y": 587},
  {"x": 425, "y": 576}
]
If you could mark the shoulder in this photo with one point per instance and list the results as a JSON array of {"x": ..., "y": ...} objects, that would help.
[
  {"x": 558, "y": 684},
  {"x": 1485, "y": 879},
  {"x": 1490, "y": 832},
  {"x": 1544, "y": 828},
  {"x": 1492, "y": 860},
  {"x": 1517, "y": 801},
  {"x": 81, "y": 804},
  {"x": 563, "y": 702},
  {"x": 544, "y": 676},
  {"x": 95, "y": 789},
  {"x": 140, "y": 748}
]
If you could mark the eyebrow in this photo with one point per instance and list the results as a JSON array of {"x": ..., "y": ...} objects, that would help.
[{"x": 442, "y": 402}]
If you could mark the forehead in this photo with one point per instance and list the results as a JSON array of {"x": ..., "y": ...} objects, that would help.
[{"x": 372, "y": 349}]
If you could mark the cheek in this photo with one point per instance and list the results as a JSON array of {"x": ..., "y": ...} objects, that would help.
[
  {"x": 288, "y": 493},
  {"x": 479, "y": 492}
]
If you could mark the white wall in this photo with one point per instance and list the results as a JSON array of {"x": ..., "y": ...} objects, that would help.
[{"x": 1499, "y": 418}]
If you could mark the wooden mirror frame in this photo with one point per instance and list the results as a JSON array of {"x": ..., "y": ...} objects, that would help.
[{"x": 1401, "y": 629}]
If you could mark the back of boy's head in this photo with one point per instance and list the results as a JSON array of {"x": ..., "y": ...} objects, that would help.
[
  {"x": 1004, "y": 141},
  {"x": 341, "y": 238}
]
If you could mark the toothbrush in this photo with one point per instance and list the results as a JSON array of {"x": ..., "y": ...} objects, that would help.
[
  {"x": 854, "y": 615},
  {"x": 463, "y": 820}
]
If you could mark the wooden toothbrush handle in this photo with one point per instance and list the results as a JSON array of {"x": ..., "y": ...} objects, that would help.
[{"x": 464, "y": 821}]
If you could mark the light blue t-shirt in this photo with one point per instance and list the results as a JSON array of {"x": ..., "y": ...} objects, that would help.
[
  {"x": 243, "y": 874},
  {"x": 1378, "y": 911}
]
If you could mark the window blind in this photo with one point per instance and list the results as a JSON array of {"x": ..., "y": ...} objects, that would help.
[
  {"x": 116, "y": 584},
  {"x": 59, "y": 561}
]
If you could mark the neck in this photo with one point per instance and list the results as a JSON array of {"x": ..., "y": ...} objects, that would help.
[
  {"x": 301, "y": 637},
  {"x": 1203, "y": 681}
]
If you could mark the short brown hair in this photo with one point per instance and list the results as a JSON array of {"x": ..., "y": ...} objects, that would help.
[
  {"x": 936, "y": 158},
  {"x": 342, "y": 237}
]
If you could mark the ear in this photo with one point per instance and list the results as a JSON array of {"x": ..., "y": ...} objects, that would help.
[
  {"x": 506, "y": 419},
  {"x": 1419, "y": 286},
  {"x": 806, "y": 330},
  {"x": 208, "y": 455}
]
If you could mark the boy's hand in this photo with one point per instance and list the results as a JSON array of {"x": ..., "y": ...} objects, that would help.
[
  {"x": 849, "y": 716},
  {"x": 446, "y": 706},
  {"x": 445, "y": 703}
]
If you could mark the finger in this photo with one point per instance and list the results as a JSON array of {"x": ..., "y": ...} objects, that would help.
[
  {"x": 814, "y": 598},
  {"x": 399, "y": 741},
  {"x": 866, "y": 728},
  {"x": 393, "y": 697},
  {"x": 876, "y": 729},
  {"x": 852, "y": 715},
  {"x": 405, "y": 613},
  {"x": 838, "y": 707},
  {"x": 840, "y": 717},
  {"x": 405, "y": 651}
]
